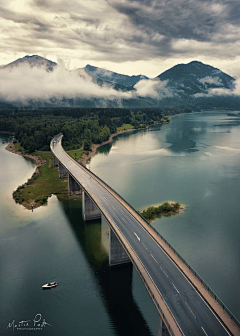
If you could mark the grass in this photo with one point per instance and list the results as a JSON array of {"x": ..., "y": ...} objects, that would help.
[
  {"x": 124, "y": 127},
  {"x": 19, "y": 148},
  {"x": 76, "y": 154},
  {"x": 41, "y": 186}
]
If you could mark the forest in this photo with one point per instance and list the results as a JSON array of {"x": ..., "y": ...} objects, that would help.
[{"x": 34, "y": 129}]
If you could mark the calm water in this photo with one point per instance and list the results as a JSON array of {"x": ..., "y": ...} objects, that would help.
[{"x": 194, "y": 160}]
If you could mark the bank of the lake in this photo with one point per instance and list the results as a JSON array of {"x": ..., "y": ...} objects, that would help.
[
  {"x": 44, "y": 182},
  {"x": 87, "y": 156}
]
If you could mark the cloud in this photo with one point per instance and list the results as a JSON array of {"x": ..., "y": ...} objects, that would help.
[
  {"x": 211, "y": 80},
  {"x": 221, "y": 91},
  {"x": 153, "y": 88},
  {"x": 24, "y": 83},
  {"x": 122, "y": 30},
  {"x": 30, "y": 81}
]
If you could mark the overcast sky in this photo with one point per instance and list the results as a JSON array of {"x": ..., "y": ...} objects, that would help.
[{"x": 126, "y": 36}]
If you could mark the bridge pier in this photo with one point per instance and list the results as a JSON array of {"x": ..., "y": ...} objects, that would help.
[
  {"x": 73, "y": 186},
  {"x": 90, "y": 209},
  {"x": 55, "y": 161},
  {"x": 62, "y": 170},
  {"x": 162, "y": 330},
  {"x": 117, "y": 254}
]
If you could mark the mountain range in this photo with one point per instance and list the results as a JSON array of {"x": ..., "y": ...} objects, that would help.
[{"x": 193, "y": 84}]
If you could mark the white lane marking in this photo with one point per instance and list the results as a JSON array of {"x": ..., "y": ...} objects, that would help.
[
  {"x": 175, "y": 287},
  {"x": 204, "y": 331},
  {"x": 113, "y": 207},
  {"x": 164, "y": 272},
  {"x": 137, "y": 236},
  {"x": 153, "y": 258},
  {"x": 145, "y": 247},
  {"x": 123, "y": 219},
  {"x": 190, "y": 309}
]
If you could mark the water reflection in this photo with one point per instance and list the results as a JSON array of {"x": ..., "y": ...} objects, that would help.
[{"x": 115, "y": 283}]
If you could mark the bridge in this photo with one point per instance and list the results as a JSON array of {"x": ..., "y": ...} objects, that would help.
[{"x": 186, "y": 305}]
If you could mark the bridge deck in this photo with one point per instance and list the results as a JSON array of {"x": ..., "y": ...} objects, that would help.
[{"x": 183, "y": 306}]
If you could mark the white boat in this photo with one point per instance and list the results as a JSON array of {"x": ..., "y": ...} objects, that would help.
[{"x": 49, "y": 285}]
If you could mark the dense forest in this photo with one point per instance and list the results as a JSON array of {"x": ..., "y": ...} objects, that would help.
[{"x": 34, "y": 129}]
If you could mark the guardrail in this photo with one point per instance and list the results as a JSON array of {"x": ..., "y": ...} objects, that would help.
[
  {"x": 170, "y": 246},
  {"x": 163, "y": 316}
]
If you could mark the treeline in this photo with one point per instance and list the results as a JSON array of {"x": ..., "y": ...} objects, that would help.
[{"x": 34, "y": 129}]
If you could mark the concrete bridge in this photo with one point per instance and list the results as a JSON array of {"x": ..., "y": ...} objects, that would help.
[{"x": 186, "y": 305}]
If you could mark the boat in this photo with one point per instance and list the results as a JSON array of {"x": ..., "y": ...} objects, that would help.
[{"x": 49, "y": 285}]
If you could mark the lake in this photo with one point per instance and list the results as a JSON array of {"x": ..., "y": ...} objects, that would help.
[{"x": 193, "y": 160}]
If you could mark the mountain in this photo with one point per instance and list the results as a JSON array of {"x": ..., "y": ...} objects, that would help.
[
  {"x": 33, "y": 61},
  {"x": 196, "y": 78},
  {"x": 113, "y": 77},
  {"x": 184, "y": 85}
]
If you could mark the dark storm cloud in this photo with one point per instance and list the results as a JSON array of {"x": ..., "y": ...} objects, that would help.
[
  {"x": 124, "y": 30},
  {"x": 197, "y": 20}
]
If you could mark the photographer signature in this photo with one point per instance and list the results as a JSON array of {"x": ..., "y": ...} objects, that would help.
[{"x": 38, "y": 323}]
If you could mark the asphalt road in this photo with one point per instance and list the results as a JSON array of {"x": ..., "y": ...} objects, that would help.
[{"x": 192, "y": 314}]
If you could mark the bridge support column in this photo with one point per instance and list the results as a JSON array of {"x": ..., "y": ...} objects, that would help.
[
  {"x": 62, "y": 170},
  {"x": 160, "y": 326},
  {"x": 117, "y": 254},
  {"x": 73, "y": 186},
  {"x": 55, "y": 161},
  {"x": 162, "y": 330},
  {"x": 91, "y": 211}
]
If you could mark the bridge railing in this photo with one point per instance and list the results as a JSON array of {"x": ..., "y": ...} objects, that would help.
[
  {"x": 163, "y": 316},
  {"x": 170, "y": 246}
]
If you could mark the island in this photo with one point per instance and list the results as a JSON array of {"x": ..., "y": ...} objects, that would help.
[{"x": 165, "y": 209}]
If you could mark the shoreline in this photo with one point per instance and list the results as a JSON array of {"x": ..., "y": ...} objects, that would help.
[
  {"x": 94, "y": 147},
  {"x": 39, "y": 162},
  {"x": 85, "y": 158}
]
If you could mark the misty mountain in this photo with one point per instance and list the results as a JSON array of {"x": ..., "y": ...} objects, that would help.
[
  {"x": 32, "y": 61},
  {"x": 36, "y": 81},
  {"x": 196, "y": 78},
  {"x": 113, "y": 77}
]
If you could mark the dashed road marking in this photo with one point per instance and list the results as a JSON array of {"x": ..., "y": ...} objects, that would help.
[
  {"x": 204, "y": 331},
  {"x": 190, "y": 309},
  {"x": 137, "y": 236},
  {"x": 145, "y": 247},
  {"x": 153, "y": 258},
  {"x": 175, "y": 288}
]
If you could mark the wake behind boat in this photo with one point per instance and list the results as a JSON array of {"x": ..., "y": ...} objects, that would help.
[{"x": 49, "y": 285}]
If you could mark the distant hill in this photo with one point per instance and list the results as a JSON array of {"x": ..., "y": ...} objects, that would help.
[
  {"x": 113, "y": 77},
  {"x": 196, "y": 77},
  {"x": 33, "y": 61}
]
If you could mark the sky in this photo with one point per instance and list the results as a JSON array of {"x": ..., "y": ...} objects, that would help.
[{"x": 126, "y": 36}]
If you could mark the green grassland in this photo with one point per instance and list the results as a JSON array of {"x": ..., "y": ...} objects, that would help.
[
  {"x": 76, "y": 154},
  {"x": 124, "y": 127},
  {"x": 36, "y": 191},
  {"x": 41, "y": 186}
]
